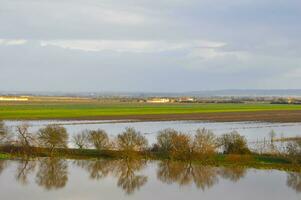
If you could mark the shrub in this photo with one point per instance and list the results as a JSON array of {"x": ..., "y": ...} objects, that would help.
[{"x": 293, "y": 149}]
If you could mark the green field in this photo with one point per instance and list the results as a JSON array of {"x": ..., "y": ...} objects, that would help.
[{"x": 73, "y": 110}]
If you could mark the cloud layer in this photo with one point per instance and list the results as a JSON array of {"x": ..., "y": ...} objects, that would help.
[{"x": 170, "y": 45}]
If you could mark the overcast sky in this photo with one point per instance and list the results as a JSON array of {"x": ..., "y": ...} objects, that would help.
[{"x": 149, "y": 45}]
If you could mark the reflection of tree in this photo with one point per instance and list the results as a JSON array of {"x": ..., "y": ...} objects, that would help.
[
  {"x": 170, "y": 172},
  {"x": 205, "y": 176},
  {"x": 125, "y": 170},
  {"x": 25, "y": 167},
  {"x": 98, "y": 169},
  {"x": 187, "y": 173},
  {"x": 232, "y": 173},
  {"x": 294, "y": 181},
  {"x": 3, "y": 165},
  {"x": 53, "y": 173}
]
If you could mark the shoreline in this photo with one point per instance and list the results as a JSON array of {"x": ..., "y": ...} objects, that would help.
[{"x": 256, "y": 161}]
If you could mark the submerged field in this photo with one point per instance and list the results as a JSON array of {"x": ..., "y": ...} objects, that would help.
[{"x": 143, "y": 111}]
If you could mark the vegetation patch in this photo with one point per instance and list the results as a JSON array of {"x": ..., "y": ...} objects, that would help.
[{"x": 94, "y": 110}]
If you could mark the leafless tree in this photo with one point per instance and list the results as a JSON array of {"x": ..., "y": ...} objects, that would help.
[
  {"x": 25, "y": 137},
  {"x": 164, "y": 139},
  {"x": 175, "y": 144},
  {"x": 131, "y": 140},
  {"x": 53, "y": 136},
  {"x": 81, "y": 140},
  {"x": 99, "y": 139},
  {"x": 205, "y": 142}
]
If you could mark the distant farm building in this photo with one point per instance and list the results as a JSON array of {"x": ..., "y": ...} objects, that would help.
[
  {"x": 13, "y": 98},
  {"x": 158, "y": 100},
  {"x": 186, "y": 99}
]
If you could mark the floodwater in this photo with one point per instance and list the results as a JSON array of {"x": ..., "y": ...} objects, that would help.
[
  {"x": 253, "y": 131},
  {"x": 53, "y": 178}
]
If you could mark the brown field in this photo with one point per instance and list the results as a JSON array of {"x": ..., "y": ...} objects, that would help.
[{"x": 265, "y": 116}]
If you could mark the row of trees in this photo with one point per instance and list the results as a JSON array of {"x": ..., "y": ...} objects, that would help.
[{"x": 169, "y": 141}]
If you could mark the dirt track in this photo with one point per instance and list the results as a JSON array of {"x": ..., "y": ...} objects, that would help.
[{"x": 267, "y": 116}]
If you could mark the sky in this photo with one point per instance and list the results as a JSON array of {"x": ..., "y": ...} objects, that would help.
[{"x": 149, "y": 46}]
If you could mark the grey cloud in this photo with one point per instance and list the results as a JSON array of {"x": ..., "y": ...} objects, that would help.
[{"x": 149, "y": 45}]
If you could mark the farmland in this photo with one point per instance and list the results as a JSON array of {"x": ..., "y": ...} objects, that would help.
[{"x": 144, "y": 111}]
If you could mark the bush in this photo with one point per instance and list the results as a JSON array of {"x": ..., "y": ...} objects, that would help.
[
  {"x": 293, "y": 149},
  {"x": 233, "y": 143}
]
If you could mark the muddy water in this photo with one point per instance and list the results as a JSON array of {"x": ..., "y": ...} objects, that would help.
[{"x": 50, "y": 178}]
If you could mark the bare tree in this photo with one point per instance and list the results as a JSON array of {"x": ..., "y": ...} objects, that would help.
[
  {"x": 131, "y": 140},
  {"x": 25, "y": 137},
  {"x": 205, "y": 142},
  {"x": 53, "y": 136},
  {"x": 182, "y": 146},
  {"x": 81, "y": 140},
  {"x": 5, "y": 134},
  {"x": 164, "y": 139},
  {"x": 174, "y": 143},
  {"x": 99, "y": 139}
]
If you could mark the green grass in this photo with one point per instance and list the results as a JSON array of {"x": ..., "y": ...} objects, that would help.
[
  {"x": 73, "y": 110},
  {"x": 4, "y": 156}
]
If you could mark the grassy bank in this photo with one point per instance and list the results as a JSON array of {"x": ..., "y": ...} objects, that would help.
[
  {"x": 249, "y": 161},
  {"x": 15, "y": 111},
  {"x": 5, "y": 156}
]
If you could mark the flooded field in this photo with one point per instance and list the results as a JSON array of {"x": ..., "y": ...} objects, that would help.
[
  {"x": 253, "y": 131},
  {"x": 52, "y": 178}
]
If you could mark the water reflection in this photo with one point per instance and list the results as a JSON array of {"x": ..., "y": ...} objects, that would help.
[
  {"x": 25, "y": 167},
  {"x": 52, "y": 173},
  {"x": 3, "y": 165},
  {"x": 294, "y": 181},
  {"x": 126, "y": 171},
  {"x": 129, "y": 174},
  {"x": 233, "y": 174},
  {"x": 204, "y": 177}
]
